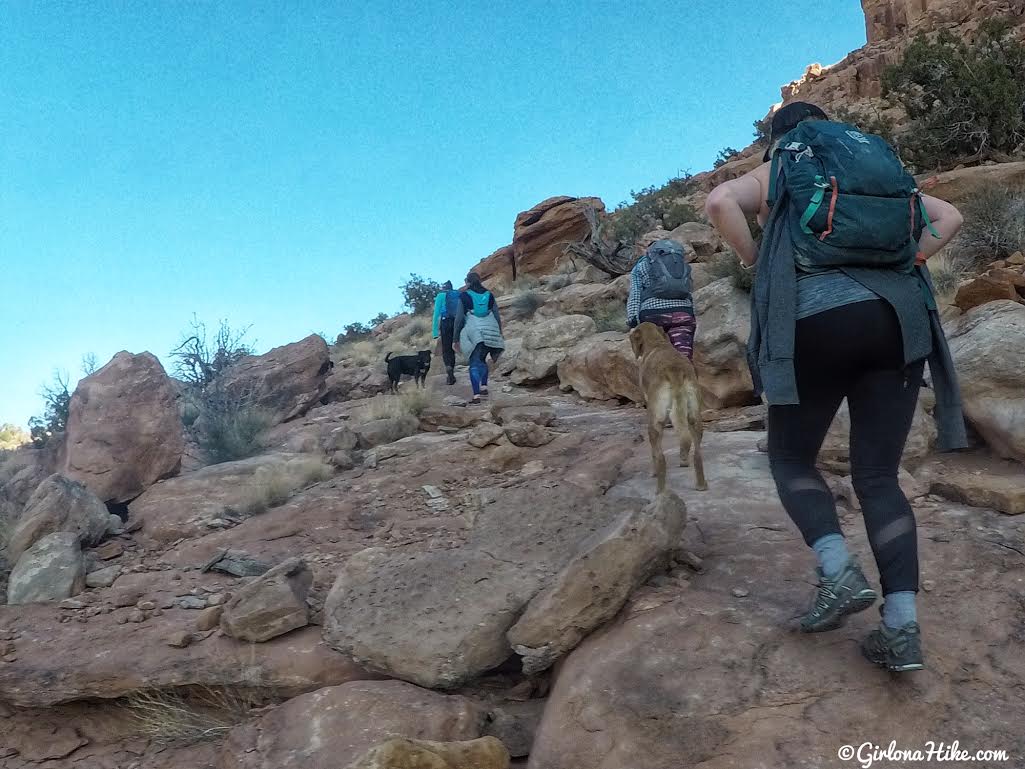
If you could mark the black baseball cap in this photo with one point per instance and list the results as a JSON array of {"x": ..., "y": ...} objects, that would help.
[{"x": 787, "y": 117}]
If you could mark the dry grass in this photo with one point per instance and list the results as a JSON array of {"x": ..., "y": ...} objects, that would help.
[
  {"x": 413, "y": 337},
  {"x": 274, "y": 484},
  {"x": 187, "y": 717},
  {"x": 947, "y": 272},
  {"x": 727, "y": 265},
  {"x": 408, "y": 403},
  {"x": 362, "y": 353},
  {"x": 994, "y": 225},
  {"x": 525, "y": 303}
]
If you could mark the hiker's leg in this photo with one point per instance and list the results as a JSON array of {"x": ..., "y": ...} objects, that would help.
[
  {"x": 796, "y": 432},
  {"x": 478, "y": 368},
  {"x": 486, "y": 372},
  {"x": 681, "y": 332},
  {"x": 882, "y": 407},
  {"x": 448, "y": 355}
]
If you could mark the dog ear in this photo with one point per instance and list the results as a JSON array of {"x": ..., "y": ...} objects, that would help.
[{"x": 637, "y": 341}]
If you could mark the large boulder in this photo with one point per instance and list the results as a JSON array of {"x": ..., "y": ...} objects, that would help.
[
  {"x": 602, "y": 367},
  {"x": 961, "y": 185},
  {"x": 988, "y": 347},
  {"x": 546, "y": 344},
  {"x": 271, "y": 605},
  {"x": 594, "y": 586},
  {"x": 333, "y": 727},
  {"x": 586, "y": 298},
  {"x": 59, "y": 504},
  {"x": 836, "y": 448},
  {"x": 540, "y": 235},
  {"x": 51, "y": 570},
  {"x": 124, "y": 432},
  {"x": 439, "y": 618},
  {"x": 285, "y": 382},
  {"x": 497, "y": 270},
  {"x": 720, "y": 344},
  {"x": 988, "y": 288},
  {"x": 701, "y": 238}
]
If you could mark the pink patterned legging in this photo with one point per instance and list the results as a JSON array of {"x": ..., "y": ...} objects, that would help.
[{"x": 679, "y": 326}]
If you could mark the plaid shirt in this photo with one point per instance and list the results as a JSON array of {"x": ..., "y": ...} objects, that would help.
[{"x": 640, "y": 280}]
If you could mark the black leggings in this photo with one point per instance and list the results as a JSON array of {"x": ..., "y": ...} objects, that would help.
[{"x": 855, "y": 351}]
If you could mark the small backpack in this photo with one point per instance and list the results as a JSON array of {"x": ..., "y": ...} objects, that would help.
[
  {"x": 452, "y": 304},
  {"x": 851, "y": 201},
  {"x": 669, "y": 272},
  {"x": 481, "y": 303}
]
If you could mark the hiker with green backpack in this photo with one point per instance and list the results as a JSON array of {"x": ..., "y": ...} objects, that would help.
[
  {"x": 446, "y": 307},
  {"x": 842, "y": 307},
  {"x": 660, "y": 293},
  {"x": 478, "y": 328}
]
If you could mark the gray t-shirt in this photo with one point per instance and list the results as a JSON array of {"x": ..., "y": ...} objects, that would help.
[{"x": 827, "y": 290}]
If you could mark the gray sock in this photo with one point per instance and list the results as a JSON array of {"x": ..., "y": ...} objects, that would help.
[
  {"x": 899, "y": 609},
  {"x": 832, "y": 553}
]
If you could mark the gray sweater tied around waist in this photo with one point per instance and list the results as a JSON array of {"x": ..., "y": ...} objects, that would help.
[{"x": 770, "y": 347}]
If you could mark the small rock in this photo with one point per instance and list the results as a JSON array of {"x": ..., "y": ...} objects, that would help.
[
  {"x": 454, "y": 400},
  {"x": 433, "y": 492},
  {"x": 103, "y": 577},
  {"x": 135, "y": 616},
  {"x": 270, "y": 605},
  {"x": 115, "y": 525},
  {"x": 216, "y": 599},
  {"x": 209, "y": 618},
  {"x": 531, "y": 468},
  {"x": 71, "y": 603},
  {"x": 180, "y": 639},
  {"x": 484, "y": 435},
  {"x": 528, "y": 434},
  {"x": 109, "y": 550},
  {"x": 740, "y": 592},
  {"x": 928, "y": 585},
  {"x": 190, "y": 602},
  {"x": 145, "y": 606},
  {"x": 1016, "y": 258}
]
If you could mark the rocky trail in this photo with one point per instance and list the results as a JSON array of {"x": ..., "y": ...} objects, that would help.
[{"x": 451, "y": 562}]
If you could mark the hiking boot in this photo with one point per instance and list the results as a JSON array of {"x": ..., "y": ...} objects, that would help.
[
  {"x": 896, "y": 649},
  {"x": 451, "y": 375},
  {"x": 846, "y": 593}
]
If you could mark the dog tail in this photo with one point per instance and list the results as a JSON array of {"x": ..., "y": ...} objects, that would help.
[{"x": 386, "y": 357}]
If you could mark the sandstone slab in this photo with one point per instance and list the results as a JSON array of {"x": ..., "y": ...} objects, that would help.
[
  {"x": 124, "y": 432},
  {"x": 602, "y": 367},
  {"x": 271, "y": 605},
  {"x": 59, "y": 504},
  {"x": 51, "y": 570}
]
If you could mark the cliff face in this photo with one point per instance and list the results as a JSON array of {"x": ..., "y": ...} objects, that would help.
[{"x": 889, "y": 26}]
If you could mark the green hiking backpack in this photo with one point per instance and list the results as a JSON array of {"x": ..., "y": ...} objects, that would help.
[{"x": 851, "y": 202}]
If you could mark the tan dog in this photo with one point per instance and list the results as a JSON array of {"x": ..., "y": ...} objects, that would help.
[{"x": 670, "y": 386}]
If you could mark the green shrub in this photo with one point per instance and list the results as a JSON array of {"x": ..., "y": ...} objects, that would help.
[
  {"x": 761, "y": 132},
  {"x": 610, "y": 317},
  {"x": 994, "y": 225},
  {"x": 727, "y": 265},
  {"x": 229, "y": 426},
  {"x": 56, "y": 404},
  {"x": 724, "y": 157},
  {"x": 964, "y": 98},
  {"x": 418, "y": 294},
  {"x": 651, "y": 207}
]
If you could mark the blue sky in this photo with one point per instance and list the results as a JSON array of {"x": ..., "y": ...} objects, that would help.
[{"x": 286, "y": 165}]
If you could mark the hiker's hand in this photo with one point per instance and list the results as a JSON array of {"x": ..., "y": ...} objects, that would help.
[{"x": 921, "y": 259}]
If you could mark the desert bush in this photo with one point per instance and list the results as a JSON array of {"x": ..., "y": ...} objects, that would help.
[
  {"x": 415, "y": 335},
  {"x": 947, "y": 271},
  {"x": 418, "y": 293},
  {"x": 870, "y": 121},
  {"x": 994, "y": 225},
  {"x": 653, "y": 206},
  {"x": 965, "y": 98},
  {"x": 199, "y": 359},
  {"x": 727, "y": 265},
  {"x": 229, "y": 426},
  {"x": 526, "y": 303},
  {"x": 610, "y": 317},
  {"x": 724, "y": 157},
  {"x": 362, "y": 353},
  {"x": 408, "y": 403},
  {"x": 525, "y": 283},
  {"x": 56, "y": 403},
  {"x": 761, "y": 131},
  {"x": 184, "y": 717},
  {"x": 12, "y": 436},
  {"x": 272, "y": 485}
]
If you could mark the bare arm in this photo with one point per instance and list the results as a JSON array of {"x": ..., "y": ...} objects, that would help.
[
  {"x": 946, "y": 220},
  {"x": 729, "y": 205}
]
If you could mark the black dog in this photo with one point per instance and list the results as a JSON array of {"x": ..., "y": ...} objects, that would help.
[{"x": 415, "y": 366}]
